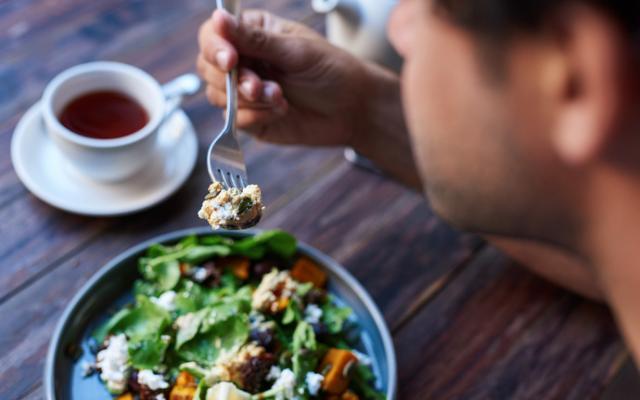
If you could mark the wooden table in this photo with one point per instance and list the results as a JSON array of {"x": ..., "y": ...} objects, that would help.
[{"x": 467, "y": 323}]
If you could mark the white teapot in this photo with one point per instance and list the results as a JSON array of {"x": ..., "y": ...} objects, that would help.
[{"x": 359, "y": 26}]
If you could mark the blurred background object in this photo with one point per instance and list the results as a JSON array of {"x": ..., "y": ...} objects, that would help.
[{"x": 359, "y": 26}]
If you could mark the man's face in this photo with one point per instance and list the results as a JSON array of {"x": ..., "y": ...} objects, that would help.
[{"x": 480, "y": 143}]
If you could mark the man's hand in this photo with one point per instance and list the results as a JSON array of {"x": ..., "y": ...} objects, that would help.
[{"x": 294, "y": 87}]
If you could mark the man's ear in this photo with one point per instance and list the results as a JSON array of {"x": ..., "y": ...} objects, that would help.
[{"x": 592, "y": 92}]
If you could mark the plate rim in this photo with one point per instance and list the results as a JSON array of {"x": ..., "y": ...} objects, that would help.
[
  {"x": 326, "y": 260},
  {"x": 34, "y": 112}
]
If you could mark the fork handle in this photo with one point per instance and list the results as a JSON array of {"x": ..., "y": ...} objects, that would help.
[
  {"x": 232, "y": 100},
  {"x": 232, "y": 76}
]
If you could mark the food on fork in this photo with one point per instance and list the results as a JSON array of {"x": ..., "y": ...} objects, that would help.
[{"x": 232, "y": 208}]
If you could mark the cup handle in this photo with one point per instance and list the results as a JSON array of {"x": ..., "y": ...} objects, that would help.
[{"x": 176, "y": 89}]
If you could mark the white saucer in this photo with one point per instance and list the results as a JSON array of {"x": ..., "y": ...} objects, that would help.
[{"x": 47, "y": 174}]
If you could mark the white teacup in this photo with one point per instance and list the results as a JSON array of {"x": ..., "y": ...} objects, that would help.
[{"x": 107, "y": 159}]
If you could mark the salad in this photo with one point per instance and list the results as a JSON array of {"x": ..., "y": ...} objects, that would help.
[{"x": 221, "y": 319}]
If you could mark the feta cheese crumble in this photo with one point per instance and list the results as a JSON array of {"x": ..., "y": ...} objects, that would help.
[
  {"x": 314, "y": 382},
  {"x": 87, "y": 368},
  {"x": 274, "y": 373},
  {"x": 200, "y": 274},
  {"x": 112, "y": 362},
  {"x": 232, "y": 208},
  {"x": 166, "y": 300},
  {"x": 152, "y": 381},
  {"x": 284, "y": 386},
  {"x": 312, "y": 314}
]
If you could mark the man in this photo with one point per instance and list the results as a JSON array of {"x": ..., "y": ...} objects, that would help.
[{"x": 522, "y": 118}]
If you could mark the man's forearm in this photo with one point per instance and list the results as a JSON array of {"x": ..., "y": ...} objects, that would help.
[{"x": 382, "y": 135}]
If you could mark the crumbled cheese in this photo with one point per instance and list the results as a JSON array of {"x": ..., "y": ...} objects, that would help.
[
  {"x": 264, "y": 298},
  {"x": 284, "y": 386},
  {"x": 199, "y": 274},
  {"x": 363, "y": 359},
  {"x": 314, "y": 382},
  {"x": 153, "y": 381},
  {"x": 226, "y": 391},
  {"x": 87, "y": 368},
  {"x": 166, "y": 300},
  {"x": 222, "y": 207},
  {"x": 274, "y": 373},
  {"x": 312, "y": 314},
  {"x": 113, "y": 364},
  {"x": 160, "y": 397}
]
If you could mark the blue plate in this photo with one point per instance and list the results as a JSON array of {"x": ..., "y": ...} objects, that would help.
[{"x": 111, "y": 287}]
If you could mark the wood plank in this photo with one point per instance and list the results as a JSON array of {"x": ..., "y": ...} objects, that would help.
[{"x": 497, "y": 331}]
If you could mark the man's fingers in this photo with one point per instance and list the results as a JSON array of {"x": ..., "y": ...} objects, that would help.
[
  {"x": 250, "y": 87},
  {"x": 218, "y": 97},
  {"x": 257, "y": 122},
  {"x": 215, "y": 49},
  {"x": 256, "y": 40}
]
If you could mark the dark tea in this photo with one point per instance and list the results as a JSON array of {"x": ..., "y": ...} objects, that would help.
[{"x": 104, "y": 115}]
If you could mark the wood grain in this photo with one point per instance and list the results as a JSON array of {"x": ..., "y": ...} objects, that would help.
[{"x": 497, "y": 331}]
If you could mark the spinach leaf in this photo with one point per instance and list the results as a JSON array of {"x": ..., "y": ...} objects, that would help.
[
  {"x": 216, "y": 239},
  {"x": 189, "y": 241},
  {"x": 362, "y": 381},
  {"x": 157, "y": 250},
  {"x": 142, "y": 287},
  {"x": 191, "y": 325},
  {"x": 334, "y": 317},
  {"x": 165, "y": 274},
  {"x": 101, "y": 333},
  {"x": 148, "y": 353},
  {"x": 198, "y": 254},
  {"x": 304, "y": 345},
  {"x": 226, "y": 335},
  {"x": 224, "y": 310},
  {"x": 277, "y": 242},
  {"x": 144, "y": 320},
  {"x": 292, "y": 313},
  {"x": 304, "y": 337}
]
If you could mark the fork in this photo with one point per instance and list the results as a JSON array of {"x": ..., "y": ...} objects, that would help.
[{"x": 225, "y": 161}]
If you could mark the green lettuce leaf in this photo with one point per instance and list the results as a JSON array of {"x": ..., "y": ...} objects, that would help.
[
  {"x": 187, "y": 332},
  {"x": 164, "y": 274},
  {"x": 226, "y": 335},
  {"x": 277, "y": 242},
  {"x": 334, "y": 317},
  {"x": 147, "y": 353},
  {"x": 144, "y": 320}
]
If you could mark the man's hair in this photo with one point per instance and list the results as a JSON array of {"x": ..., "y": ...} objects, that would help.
[{"x": 499, "y": 19}]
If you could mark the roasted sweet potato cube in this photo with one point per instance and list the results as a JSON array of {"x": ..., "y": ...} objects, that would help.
[
  {"x": 185, "y": 387},
  {"x": 283, "y": 302},
  {"x": 239, "y": 266},
  {"x": 126, "y": 396},
  {"x": 336, "y": 366},
  {"x": 349, "y": 395},
  {"x": 182, "y": 393},
  {"x": 305, "y": 270},
  {"x": 186, "y": 379}
]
